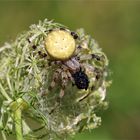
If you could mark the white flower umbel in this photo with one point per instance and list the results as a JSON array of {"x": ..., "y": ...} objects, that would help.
[{"x": 53, "y": 77}]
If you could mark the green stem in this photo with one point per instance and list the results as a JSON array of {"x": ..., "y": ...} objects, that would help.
[
  {"x": 18, "y": 126},
  {"x": 4, "y": 93},
  {"x": 3, "y": 135}
]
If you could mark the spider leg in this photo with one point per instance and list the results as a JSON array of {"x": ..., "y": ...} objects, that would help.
[
  {"x": 97, "y": 57},
  {"x": 61, "y": 94},
  {"x": 88, "y": 67},
  {"x": 55, "y": 78},
  {"x": 52, "y": 63},
  {"x": 65, "y": 78},
  {"x": 91, "y": 69},
  {"x": 69, "y": 76},
  {"x": 78, "y": 49}
]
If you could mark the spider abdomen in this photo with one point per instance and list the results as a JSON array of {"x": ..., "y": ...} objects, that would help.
[{"x": 81, "y": 80}]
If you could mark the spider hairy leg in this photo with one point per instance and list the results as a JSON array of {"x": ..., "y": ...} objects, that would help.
[
  {"x": 88, "y": 67},
  {"x": 91, "y": 56},
  {"x": 55, "y": 78},
  {"x": 53, "y": 63},
  {"x": 64, "y": 77},
  {"x": 69, "y": 76},
  {"x": 91, "y": 69},
  {"x": 78, "y": 49}
]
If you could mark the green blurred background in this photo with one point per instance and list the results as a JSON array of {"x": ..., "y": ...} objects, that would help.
[{"x": 115, "y": 24}]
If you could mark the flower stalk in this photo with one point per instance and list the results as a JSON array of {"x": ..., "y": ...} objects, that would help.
[{"x": 18, "y": 124}]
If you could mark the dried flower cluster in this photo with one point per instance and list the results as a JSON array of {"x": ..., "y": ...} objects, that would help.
[{"x": 46, "y": 89}]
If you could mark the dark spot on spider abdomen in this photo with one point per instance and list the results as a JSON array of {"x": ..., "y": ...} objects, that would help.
[{"x": 81, "y": 80}]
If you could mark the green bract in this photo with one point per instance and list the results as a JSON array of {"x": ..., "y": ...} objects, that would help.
[{"x": 26, "y": 74}]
